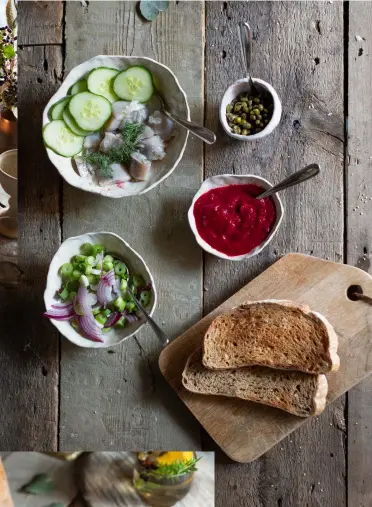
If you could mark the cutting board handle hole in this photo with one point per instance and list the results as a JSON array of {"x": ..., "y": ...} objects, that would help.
[{"x": 354, "y": 291}]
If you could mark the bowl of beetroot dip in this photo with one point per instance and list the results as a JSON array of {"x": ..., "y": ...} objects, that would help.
[{"x": 229, "y": 222}]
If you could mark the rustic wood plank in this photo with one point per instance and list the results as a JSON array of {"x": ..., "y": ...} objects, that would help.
[
  {"x": 312, "y": 224},
  {"x": 40, "y": 22},
  {"x": 119, "y": 399},
  {"x": 28, "y": 386},
  {"x": 359, "y": 244}
]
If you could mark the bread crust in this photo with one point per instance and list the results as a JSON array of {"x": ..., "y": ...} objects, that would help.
[
  {"x": 333, "y": 358},
  {"x": 320, "y": 398}
]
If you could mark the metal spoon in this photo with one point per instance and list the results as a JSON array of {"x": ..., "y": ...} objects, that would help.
[
  {"x": 246, "y": 47},
  {"x": 164, "y": 340},
  {"x": 298, "y": 177},
  {"x": 203, "y": 133}
]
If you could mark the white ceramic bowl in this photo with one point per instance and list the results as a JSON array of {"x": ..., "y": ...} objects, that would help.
[
  {"x": 168, "y": 86},
  {"x": 232, "y": 179},
  {"x": 113, "y": 244},
  {"x": 236, "y": 89}
]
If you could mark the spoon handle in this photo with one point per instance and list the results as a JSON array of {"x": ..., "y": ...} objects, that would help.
[
  {"x": 159, "y": 332},
  {"x": 203, "y": 133},
  {"x": 304, "y": 174},
  {"x": 246, "y": 47}
]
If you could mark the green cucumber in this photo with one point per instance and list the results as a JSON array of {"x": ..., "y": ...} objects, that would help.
[
  {"x": 72, "y": 125},
  {"x": 56, "y": 111},
  {"x": 78, "y": 87},
  {"x": 100, "y": 82},
  {"x": 59, "y": 138},
  {"x": 134, "y": 83},
  {"x": 90, "y": 111}
]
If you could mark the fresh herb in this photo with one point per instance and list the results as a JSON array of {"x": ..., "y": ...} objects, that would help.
[
  {"x": 39, "y": 484},
  {"x": 121, "y": 155},
  {"x": 178, "y": 467},
  {"x": 150, "y": 9}
]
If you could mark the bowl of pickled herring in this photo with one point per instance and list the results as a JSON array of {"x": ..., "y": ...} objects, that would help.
[
  {"x": 86, "y": 296},
  {"x": 104, "y": 129}
]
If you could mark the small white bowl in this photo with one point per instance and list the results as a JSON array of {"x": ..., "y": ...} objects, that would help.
[
  {"x": 232, "y": 179},
  {"x": 236, "y": 89},
  {"x": 113, "y": 244},
  {"x": 168, "y": 86}
]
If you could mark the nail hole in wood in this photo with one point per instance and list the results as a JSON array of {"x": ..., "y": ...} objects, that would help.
[
  {"x": 223, "y": 54},
  {"x": 317, "y": 60},
  {"x": 353, "y": 290},
  {"x": 360, "y": 52}
]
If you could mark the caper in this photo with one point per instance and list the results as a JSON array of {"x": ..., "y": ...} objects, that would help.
[
  {"x": 258, "y": 122},
  {"x": 244, "y": 132},
  {"x": 265, "y": 110},
  {"x": 260, "y": 107},
  {"x": 244, "y": 116},
  {"x": 244, "y": 99},
  {"x": 261, "y": 124},
  {"x": 231, "y": 125},
  {"x": 248, "y": 126},
  {"x": 237, "y": 107},
  {"x": 256, "y": 100},
  {"x": 230, "y": 116},
  {"x": 237, "y": 130},
  {"x": 245, "y": 108},
  {"x": 259, "y": 117},
  {"x": 250, "y": 102},
  {"x": 256, "y": 111},
  {"x": 253, "y": 117},
  {"x": 237, "y": 119},
  {"x": 229, "y": 108},
  {"x": 266, "y": 121}
]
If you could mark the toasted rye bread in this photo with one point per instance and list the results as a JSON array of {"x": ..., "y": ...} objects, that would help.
[
  {"x": 277, "y": 334},
  {"x": 296, "y": 392}
]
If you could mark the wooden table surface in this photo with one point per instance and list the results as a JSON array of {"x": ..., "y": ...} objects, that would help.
[{"x": 318, "y": 56}]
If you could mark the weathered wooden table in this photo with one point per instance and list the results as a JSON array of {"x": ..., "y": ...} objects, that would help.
[{"x": 318, "y": 55}]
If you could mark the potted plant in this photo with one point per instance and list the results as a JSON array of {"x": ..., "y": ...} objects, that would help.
[{"x": 8, "y": 73}]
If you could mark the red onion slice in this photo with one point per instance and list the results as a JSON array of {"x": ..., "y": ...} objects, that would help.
[
  {"x": 104, "y": 290},
  {"x": 130, "y": 316},
  {"x": 58, "y": 316},
  {"x": 112, "y": 319},
  {"x": 63, "y": 306},
  {"x": 90, "y": 327},
  {"x": 82, "y": 303}
]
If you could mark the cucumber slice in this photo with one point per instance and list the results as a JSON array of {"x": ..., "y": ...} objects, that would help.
[
  {"x": 72, "y": 125},
  {"x": 90, "y": 111},
  {"x": 134, "y": 83},
  {"x": 100, "y": 82},
  {"x": 59, "y": 138},
  {"x": 78, "y": 87},
  {"x": 56, "y": 111}
]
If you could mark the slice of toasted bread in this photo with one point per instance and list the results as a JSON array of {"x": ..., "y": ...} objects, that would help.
[
  {"x": 296, "y": 392},
  {"x": 5, "y": 498},
  {"x": 276, "y": 334}
]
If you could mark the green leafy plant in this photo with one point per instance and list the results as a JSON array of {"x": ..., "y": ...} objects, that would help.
[
  {"x": 150, "y": 9},
  {"x": 121, "y": 155},
  {"x": 178, "y": 467},
  {"x": 8, "y": 61},
  {"x": 39, "y": 484}
]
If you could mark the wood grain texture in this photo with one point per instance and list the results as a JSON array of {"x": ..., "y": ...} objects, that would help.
[
  {"x": 359, "y": 237},
  {"x": 40, "y": 22},
  {"x": 118, "y": 399},
  {"x": 289, "y": 38},
  {"x": 105, "y": 480},
  {"x": 245, "y": 430},
  {"x": 29, "y": 346}
]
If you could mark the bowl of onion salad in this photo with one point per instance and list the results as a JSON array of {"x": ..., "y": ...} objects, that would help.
[{"x": 86, "y": 296}]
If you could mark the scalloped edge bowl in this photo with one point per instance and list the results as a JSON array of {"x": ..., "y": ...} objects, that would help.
[
  {"x": 114, "y": 244},
  {"x": 176, "y": 99},
  {"x": 235, "y": 179}
]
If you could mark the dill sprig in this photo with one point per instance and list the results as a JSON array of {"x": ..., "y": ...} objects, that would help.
[
  {"x": 178, "y": 467},
  {"x": 121, "y": 155}
]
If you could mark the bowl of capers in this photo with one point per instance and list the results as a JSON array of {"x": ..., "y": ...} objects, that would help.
[{"x": 252, "y": 115}]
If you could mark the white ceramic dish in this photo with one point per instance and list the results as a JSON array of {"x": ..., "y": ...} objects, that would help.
[
  {"x": 169, "y": 88},
  {"x": 232, "y": 179},
  {"x": 236, "y": 89},
  {"x": 113, "y": 244}
]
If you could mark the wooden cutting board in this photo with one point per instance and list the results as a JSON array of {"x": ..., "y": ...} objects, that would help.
[
  {"x": 105, "y": 480},
  {"x": 246, "y": 430}
]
